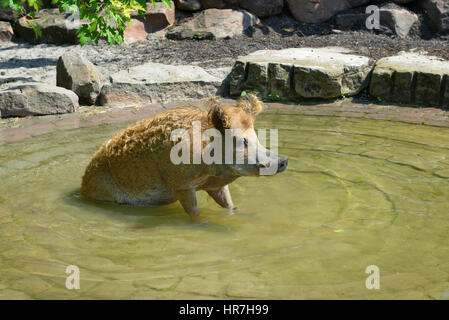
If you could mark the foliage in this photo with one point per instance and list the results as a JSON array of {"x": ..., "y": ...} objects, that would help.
[
  {"x": 104, "y": 19},
  {"x": 274, "y": 96},
  {"x": 244, "y": 92}
]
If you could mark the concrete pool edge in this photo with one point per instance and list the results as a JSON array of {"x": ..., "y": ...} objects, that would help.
[{"x": 17, "y": 129}]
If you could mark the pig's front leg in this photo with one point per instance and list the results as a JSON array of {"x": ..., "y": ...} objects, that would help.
[
  {"x": 187, "y": 198},
  {"x": 222, "y": 197}
]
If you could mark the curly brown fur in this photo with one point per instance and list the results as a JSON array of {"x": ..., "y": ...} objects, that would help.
[
  {"x": 135, "y": 167},
  {"x": 250, "y": 104}
]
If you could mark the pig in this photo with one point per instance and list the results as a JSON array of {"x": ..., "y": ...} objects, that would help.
[{"x": 136, "y": 166}]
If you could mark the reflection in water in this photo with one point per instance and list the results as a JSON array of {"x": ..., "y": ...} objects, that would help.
[{"x": 357, "y": 193}]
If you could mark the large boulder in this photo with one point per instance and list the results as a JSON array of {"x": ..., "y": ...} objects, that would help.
[
  {"x": 312, "y": 11},
  {"x": 215, "y": 24},
  {"x": 6, "y": 14},
  {"x": 36, "y": 99},
  {"x": 219, "y": 4},
  {"x": 262, "y": 8},
  {"x": 188, "y": 5},
  {"x": 411, "y": 78},
  {"x": 399, "y": 20},
  {"x": 392, "y": 17},
  {"x": 155, "y": 21},
  {"x": 300, "y": 73},
  {"x": 54, "y": 25},
  {"x": 6, "y": 32},
  {"x": 154, "y": 83},
  {"x": 76, "y": 73},
  {"x": 438, "y": 13}
]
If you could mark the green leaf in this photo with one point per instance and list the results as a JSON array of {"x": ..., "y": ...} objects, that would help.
[
  {"x": 37, "y": 30},
  {"x": 167, "y": 3},
  {"x": 16, "y": 6},
  {"x": 93, "y": 26}
]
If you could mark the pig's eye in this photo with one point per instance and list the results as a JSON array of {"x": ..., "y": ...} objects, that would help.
[{"x": 245, "y": 142}]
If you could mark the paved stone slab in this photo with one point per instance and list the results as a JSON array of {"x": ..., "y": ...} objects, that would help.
[
  {"x": 154, "y": 82},
  {"x": 301, "y": 73},
  {"x": 411, "y": 78}
]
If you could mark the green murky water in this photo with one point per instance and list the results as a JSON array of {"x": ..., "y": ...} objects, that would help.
[{"x": 357, "y": 193}]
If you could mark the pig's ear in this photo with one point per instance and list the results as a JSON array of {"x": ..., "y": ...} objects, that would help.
[
  {"x": 219, "y": 118},
  {"x": 250, "y": 104}
]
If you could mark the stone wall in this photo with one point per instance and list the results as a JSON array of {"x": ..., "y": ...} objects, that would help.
[{"x": 328, "y": 73}]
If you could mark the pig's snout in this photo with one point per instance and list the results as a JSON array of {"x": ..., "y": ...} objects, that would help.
[{"x": 282, "y": 164}]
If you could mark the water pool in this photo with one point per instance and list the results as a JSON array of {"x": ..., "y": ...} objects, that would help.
[{"x": 357, "y": 192}]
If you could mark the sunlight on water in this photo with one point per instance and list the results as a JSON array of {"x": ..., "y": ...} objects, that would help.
[{"x": 356, "y": 193}]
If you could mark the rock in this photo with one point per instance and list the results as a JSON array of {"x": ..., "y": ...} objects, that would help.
[
  {"x": 6, "y": 32},
  {"x": 6, "y": 14},
  {"x": 188, "y": 5},
  {"x": 220, "y": 73},
  {"x": 215, "y": 24},
  {"x": 76, "y": 73},
  {"x": 156, "y": 20},
  {"x": 351, "y": 20},
  {"x": 438, "y": 13},
  {"x": 312, "y": 11},
  {"x": 36, "y": 99},
  {"x": 400, "y": 20},
  {"x": 154, "y": 83},
  {"x": 219, "y": 4},
  {"x": 397, "y": 19},
  {"x": 300, "y": 73},
  {"x": 55, "y": 28},
  {"x": 411, "y": 78},
  {"x": 262, "y": 8}
]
